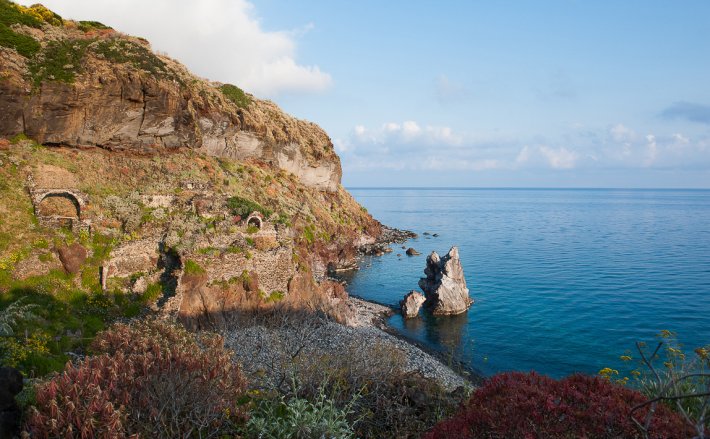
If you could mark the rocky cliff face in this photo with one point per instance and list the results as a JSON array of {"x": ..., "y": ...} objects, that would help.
[
  {"x": 151, "y": 175},
  {"x": 108, "y": 90}
]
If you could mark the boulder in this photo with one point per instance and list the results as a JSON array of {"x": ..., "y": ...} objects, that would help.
[
  {"x": 72, "y": 257},
  {"x": 445, "y": 285},
  {"x": 412, "y": 252},
  {"x": 411, "y": 304}
]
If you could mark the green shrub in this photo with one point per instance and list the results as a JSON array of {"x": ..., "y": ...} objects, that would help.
[
  {"x": 152, "y": 293},
  {"x": 123, "y": 51},
  {"x": 309, "y": 234},
  {"x": 58, "y": 61},
  {"x": 299, "y": 419},
  {"x": 251, "y": 229},
  {"x": 276, "y": 296},
  {"x": 193, "y": 268},
  {"x": 11, "y": 13},
  {"x": 25, "y": 45},
  {"x": 87, "y": 26},
  {"x": 243, "y": 207},
  {"x": 671, "y": 377},
  {"x": 236, "y": 95}
]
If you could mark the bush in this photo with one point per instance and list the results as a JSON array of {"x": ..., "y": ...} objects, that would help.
[
  {"x": 87, "y": 26},
  {"x": 25, "y": 45},
  {"x": 11, "y": 13},
  {"x": 367, "y": 380},
  {"x": 243, "y": 207},
  {"x": 152, "y": 379},
  {"x": 59, "y": 61},
  {"x": 193, "y": 268},
  {"x": 681, "y": 383},
  {"x": 535, "y": 406},
  {"x": 299, "y": 419},
  {"x": 236, "y": 95},
  {"x": 123, "y": 51}
]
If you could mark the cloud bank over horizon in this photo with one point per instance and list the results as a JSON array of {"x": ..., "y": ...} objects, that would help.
[
  {"x": 222, "y": 40},
  {"x": 411, "y": 146}
]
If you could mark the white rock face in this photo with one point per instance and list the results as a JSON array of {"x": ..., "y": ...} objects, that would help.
[
  {"x": 445, "y": 285},
  {"x": 411, "y": 304}
]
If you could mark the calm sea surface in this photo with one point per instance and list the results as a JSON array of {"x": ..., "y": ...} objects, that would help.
[{"x": 563, "y": 280}]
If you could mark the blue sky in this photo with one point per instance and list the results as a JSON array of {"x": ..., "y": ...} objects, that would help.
[{"x": 555, "y": 93}]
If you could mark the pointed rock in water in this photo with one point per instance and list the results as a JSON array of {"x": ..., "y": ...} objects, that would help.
[
  {"x": 411, "y": 304},
  {"x": 411, "y": 252},
  {"x": 444, "y": 284}
]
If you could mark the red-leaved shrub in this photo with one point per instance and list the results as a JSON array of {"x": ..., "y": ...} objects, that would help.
[
  {"x": 152, "y": 379},
  {"x": 519, "y": 405}
]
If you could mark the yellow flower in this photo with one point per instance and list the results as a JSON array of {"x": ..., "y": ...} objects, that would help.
[{"x": 625, "y": 358}]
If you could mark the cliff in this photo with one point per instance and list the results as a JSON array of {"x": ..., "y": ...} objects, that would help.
[
  {"x": 90, "y": 86},
  {"x": 124, "y": 176}
]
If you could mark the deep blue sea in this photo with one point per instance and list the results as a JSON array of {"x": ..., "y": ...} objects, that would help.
[{"x": 564, "y": 281}]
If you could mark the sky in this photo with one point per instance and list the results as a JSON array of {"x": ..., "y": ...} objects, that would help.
[{"x": 560, "y": 93}]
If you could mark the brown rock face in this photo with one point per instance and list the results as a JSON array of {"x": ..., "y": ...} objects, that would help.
[
  {"x": 72, "y": 257},
  {"x": 411, "y": 304},
  {"x": 118, "y": 106},
  {"x": 445, "y": 284}
]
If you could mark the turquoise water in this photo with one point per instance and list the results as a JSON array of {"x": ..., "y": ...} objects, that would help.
[{"x": 564, "y": 281}]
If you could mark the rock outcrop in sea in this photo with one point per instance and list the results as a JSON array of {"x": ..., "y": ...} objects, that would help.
[
  {"x": 411, "y": 304},
  {"x": 445, "y": 285}
]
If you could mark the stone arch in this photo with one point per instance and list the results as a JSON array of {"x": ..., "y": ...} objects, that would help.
[
  {"x": 78, "y": 200},
  {"x": 60, "y": 195},
  {"x": 255, "y": 219}
]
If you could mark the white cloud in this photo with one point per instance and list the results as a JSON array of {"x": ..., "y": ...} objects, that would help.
[
  {"x": 408, "y": 132},
  {"x": 222, "y": 40},
  {"x": 559, "y": 158},
  {"x": 620, "y": 133},
  {"x": 651, "y": 150}
]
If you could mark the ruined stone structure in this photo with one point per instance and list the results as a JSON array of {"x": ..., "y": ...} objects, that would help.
[
  {"x": 79, "y": 199},
  {"x": 255, "y": 219}
]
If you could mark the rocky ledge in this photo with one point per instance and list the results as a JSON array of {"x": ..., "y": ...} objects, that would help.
[{"x": 389, "y": 235}]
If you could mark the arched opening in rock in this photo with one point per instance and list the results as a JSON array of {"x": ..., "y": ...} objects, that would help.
[
  {"x": 254, "y": 221},
  {"x": 60, "y": 204}
]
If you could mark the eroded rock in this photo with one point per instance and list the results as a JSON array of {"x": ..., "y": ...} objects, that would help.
[
  {"x": 72, "y": 257},
  {"x": 411, "y": 304},
  {"x": 412, "y": 252},
  {"x": 445, "y": 284}
]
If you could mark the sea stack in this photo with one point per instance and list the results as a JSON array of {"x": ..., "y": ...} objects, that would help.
[
  {"x": 444, "y": 285},
  {"x": 411, "y": 304}
]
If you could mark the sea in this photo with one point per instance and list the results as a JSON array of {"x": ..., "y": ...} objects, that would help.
[{"x": 564, "y": 280}]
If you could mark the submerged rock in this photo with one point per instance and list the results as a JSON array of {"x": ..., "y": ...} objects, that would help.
[
  {"x": 411, "y": 304},
  {"x": 445, "y": 285}
]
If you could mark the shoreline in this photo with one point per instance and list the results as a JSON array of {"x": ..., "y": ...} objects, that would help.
[
  {"x": 373, "y": 315},
  {"x": 379, "y": 312}
]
